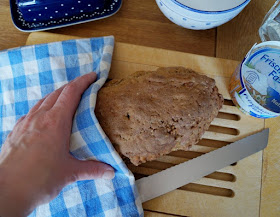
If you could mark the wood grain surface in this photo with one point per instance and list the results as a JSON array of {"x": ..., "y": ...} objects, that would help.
[
  {"x": 142, "y": 23},
  {"x": 225, "y": 193},
  {"x": 270, "y": 195},
  {"x": 137, "y": 22},
  {"x": 235, "y": 38}
]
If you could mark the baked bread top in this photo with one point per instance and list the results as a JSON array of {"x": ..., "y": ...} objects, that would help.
[{"x": 152, "y": 113}]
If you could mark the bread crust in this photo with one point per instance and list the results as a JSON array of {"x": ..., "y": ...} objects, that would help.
[{"x": 152, "y": 113}]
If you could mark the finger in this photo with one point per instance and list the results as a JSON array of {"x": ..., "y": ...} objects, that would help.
[
  {"x": 20, "y": 119},
  {"x": 70, "y": 96},
  {"x": 36, "y": 106},
  {"x": 87, "y": 170},
  {"x": 50, "y": 99}
]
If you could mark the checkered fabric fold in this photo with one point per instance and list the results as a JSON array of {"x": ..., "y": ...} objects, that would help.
[{"x": 29, "y": 73}]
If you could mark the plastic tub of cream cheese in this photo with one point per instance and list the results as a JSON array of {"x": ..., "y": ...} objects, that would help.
[{"x": 255, "y": 84}]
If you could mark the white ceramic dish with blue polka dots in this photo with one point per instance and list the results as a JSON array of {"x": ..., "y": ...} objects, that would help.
[
  {"x": 36, "y": 15},
  {"x": 201, "y": 14}
]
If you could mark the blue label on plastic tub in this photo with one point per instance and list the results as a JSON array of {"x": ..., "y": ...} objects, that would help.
[{"x": 255, "y": 85}]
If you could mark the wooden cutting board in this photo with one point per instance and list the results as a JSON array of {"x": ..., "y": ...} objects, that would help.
[{"x": 229, "y": 192}]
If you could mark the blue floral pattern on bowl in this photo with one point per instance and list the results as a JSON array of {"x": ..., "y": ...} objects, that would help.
[
  {"x": 34, "y": 15},
  {"x": 195, "y": 19}
]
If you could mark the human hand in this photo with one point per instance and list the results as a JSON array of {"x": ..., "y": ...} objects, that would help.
[{"x": 35, "y": 163}]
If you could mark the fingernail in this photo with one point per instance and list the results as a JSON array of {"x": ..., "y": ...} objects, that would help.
[{"x": 108, "y": 174}]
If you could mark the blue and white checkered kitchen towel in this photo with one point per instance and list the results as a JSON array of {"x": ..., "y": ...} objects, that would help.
[{"x": 29, "y": 73}]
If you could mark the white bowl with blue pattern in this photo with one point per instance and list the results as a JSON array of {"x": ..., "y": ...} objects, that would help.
[{"x": 201, "y": 14}]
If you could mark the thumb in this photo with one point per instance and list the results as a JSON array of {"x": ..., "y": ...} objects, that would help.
[{"x": 91, "y": 169}]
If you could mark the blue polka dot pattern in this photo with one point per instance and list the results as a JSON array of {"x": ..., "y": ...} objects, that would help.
[{"x": 40, "y": 14}]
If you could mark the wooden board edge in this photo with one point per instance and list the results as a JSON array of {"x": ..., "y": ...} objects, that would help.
[
  {"x": 152, "y": 56},
  {"x": 270, "y": 193}
]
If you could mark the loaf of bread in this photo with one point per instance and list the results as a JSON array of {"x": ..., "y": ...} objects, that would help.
[{"x": 152, "y": 113}]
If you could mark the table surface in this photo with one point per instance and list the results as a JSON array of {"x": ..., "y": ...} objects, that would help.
[{"x": 142, "y": 23}]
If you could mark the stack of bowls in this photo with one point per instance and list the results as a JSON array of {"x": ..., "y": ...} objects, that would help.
[{"x": 201, "y": 14}]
